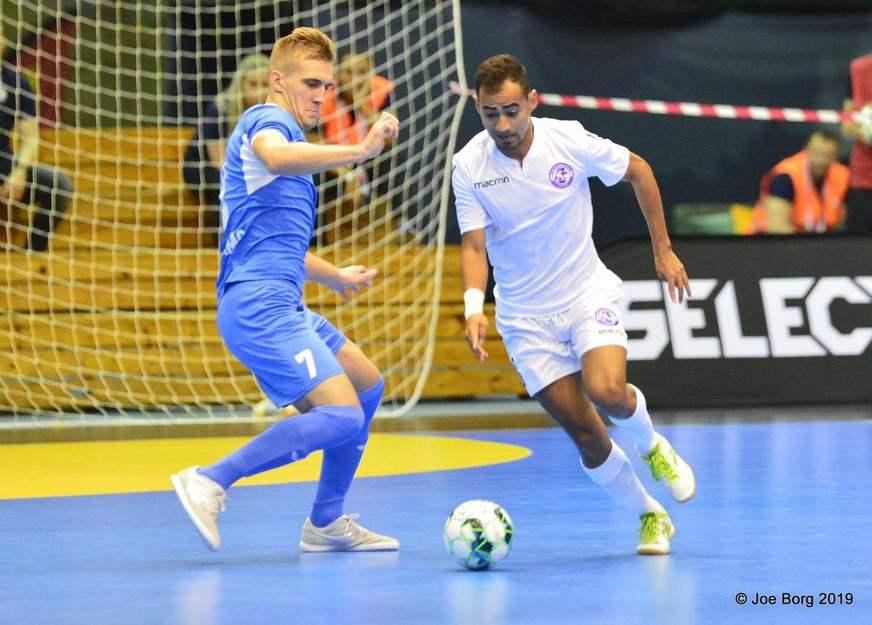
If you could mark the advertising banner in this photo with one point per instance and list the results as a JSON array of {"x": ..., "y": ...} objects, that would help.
[{"x": 772, "y": 320}]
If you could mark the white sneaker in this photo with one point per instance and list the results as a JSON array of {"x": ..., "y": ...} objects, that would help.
[
  {"x": 344, "y": 534},
  {"x": 203, "y": 499},
  {"x": 654, "y": 534},
  {"x": 666, "y": 465}
]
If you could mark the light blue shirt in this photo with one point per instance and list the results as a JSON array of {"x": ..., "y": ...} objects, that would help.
[{"x": 267, "y": 219}]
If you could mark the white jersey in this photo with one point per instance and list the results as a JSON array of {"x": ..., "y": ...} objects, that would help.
[{"x": 538, "y": 216}]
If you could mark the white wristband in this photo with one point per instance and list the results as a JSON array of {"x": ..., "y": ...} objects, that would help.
[{"x": 473, "y": 300}]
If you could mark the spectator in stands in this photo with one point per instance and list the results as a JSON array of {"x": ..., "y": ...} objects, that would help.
[
  {"x": 859, "y": 200},
  {"x": 804, "y": 192},
  {"x": 22, "y": 181},
  {"x": 359, "y": 97},
  {"x": 205, "y": 153}
]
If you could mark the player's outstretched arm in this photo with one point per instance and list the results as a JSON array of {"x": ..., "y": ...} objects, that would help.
[
  {"x": 298, "y": 158},
  {"x": 474, "y": 271},
  {"x": 345, "y": 281},
  {"x": 668, "y": 266}
]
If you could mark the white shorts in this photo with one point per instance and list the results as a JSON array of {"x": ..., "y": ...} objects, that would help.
[{"x": 547, "y": 348}]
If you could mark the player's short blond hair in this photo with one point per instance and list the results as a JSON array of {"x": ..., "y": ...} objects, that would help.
[{"x": 302, "y": 43}]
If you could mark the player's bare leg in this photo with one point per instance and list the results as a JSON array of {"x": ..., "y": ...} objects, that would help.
[
  {"x": 359, "y": 369},
  {"x": 567, "y": 404},
  {"x": 605, "y": 382},
  {"x": 605, "y": 462}
]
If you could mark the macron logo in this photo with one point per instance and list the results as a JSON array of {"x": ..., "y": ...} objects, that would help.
[{"x": 484, "y": 184}]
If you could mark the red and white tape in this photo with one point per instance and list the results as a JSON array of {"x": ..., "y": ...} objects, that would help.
[{"x": 690, "y": 109}]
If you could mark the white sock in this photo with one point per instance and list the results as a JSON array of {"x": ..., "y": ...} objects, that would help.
[
  {"x": 638, "y": 425},
  {"x": 617, "y": 478}
]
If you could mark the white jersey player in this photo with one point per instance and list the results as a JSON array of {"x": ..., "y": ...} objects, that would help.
[{"x": 523, "y": 202}]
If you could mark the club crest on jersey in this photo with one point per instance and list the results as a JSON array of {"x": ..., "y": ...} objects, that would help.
[
  {"x": 561, "y": 175},
  {"x": 606, "y": 316}
]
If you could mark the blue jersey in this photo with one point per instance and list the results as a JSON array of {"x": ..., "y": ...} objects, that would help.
[{"x": 267, "y": 219}]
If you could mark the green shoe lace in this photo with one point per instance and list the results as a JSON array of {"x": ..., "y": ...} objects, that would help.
[
  {"x": 660, "y": 465},
  {"x": 652, "y": 528}
]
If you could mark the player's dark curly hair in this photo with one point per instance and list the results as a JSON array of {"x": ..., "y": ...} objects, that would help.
[{"x": 493, "y": 72}]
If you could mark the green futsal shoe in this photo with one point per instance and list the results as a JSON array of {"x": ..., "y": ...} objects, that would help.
[
  {"x": 668, "y": 467},
  {"x": 654, "y": 534}
]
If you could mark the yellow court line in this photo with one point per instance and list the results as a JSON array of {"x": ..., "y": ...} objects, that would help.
[{"x": 106, "y": 467}]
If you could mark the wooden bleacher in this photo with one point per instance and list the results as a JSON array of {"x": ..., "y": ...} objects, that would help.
[
  {"x": 128, "y": 187},
  {"x": 124, "y": 304}
]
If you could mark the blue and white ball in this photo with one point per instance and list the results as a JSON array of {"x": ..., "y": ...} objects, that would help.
[{"x": 478, "y": 534}]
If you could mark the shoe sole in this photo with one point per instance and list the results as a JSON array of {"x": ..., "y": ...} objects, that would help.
[
  {"x": 186, "y": 504},
  {"x": 652, "y": 551},
  {"x": 310, "y": 548}
]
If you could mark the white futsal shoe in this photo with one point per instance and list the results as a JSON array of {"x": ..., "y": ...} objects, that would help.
[
  {"x": 667, "y": 466},
  {"x": 344, "y": 534},
  {"x": 202, "y": 499}
]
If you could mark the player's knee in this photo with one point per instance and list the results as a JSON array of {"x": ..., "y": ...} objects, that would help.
[
  {"x": 367, "y": 378},
  {"x": 610, "y": 394},
  {"x": 370, "y": 399},
  {"x": 351, "y": 422},
  {"x": 343, "y": 423}
]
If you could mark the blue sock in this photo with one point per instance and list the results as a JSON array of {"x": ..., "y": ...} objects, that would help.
[
  {"x": 340, "y": 463},
  {"x": 287, "y": 441}
]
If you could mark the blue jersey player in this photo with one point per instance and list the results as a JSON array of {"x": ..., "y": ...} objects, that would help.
[{"x": 268, "y": 202}]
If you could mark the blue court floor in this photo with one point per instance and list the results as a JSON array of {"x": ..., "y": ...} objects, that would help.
[{"x": 781, "y": 507}]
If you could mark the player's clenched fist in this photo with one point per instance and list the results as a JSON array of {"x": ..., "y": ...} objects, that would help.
[{"x": 385, "y": 128}]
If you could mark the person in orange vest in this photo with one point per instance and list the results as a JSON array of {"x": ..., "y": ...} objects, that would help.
[
  {"x": 804, "y": 192},
  {"x": 859, "y": 201},
  {"x": 359, "y": 97}
]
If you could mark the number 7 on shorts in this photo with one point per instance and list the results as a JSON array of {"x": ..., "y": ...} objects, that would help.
[{"x": 307, "y": 357}]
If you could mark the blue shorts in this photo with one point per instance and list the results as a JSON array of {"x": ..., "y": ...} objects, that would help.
[{"x": 289, "y": 349}]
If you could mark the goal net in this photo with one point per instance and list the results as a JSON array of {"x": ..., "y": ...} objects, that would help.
[{"x": 116, "y": 316}]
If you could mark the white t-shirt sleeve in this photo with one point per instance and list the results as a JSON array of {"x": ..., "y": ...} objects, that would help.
[
  {"x": 471, "y": 215},
  {"x": 604, "y": 159},
  {"x": 270, "y": 131}
]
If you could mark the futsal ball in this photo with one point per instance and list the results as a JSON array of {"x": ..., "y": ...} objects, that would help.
[{"x": 478, "y": 534}]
